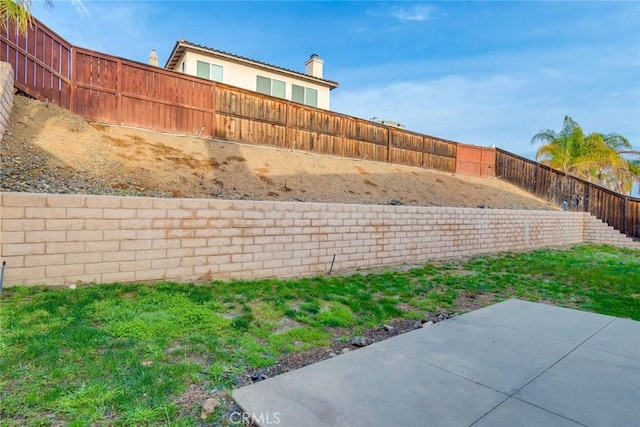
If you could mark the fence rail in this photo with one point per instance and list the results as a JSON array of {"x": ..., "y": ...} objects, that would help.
[{"x": 621, "y": 212}]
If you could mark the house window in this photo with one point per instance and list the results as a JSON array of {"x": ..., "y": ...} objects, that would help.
[
  {"x": 297, "y": 94},
  {"x": 209, "y": 71},
  {"x": 203, "y": 69},
  {"x": 304, "y": 95},
  {"x": 263, "y": 85},
  {"x": 216, "y": 73},
  {"x": 278, "y": 88},
  {"x": 270, "y": 86},
  {"x": 311, "y": 97},
  {"x": 182, "y": 67}
]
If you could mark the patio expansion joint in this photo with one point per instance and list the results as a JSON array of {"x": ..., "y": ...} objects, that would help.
[
  {"x": 624, "y": 356},
  {"x": 512, "y": 395},
  {"x": 442, "y": 369},
  {"x": 537, "y": 334}
]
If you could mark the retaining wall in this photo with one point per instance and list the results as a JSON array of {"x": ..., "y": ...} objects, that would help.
[
  {"x": 597, "y": 231},
  {"x": 63, "y": 239},
  {"x": 6, "y": 95}
]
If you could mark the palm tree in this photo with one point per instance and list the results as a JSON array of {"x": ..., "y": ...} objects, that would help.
[
  {"x": 17, "y": 13},
  {"x": 595, "y": 157},
  {"x": 559, "y": 149},
  {"x": 630, "y": 177}
]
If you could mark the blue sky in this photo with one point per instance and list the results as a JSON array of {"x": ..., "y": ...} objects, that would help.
[{"x": 477, "y": 72}]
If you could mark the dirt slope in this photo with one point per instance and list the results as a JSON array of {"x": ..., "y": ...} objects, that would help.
[{"x": 48, "y": 149}]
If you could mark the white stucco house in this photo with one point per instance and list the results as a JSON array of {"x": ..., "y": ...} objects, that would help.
[{"x": 309, "y": 88}]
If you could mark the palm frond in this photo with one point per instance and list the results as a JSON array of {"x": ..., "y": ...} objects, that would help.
[
  {"x": 616, "y": 141},
  {"x": 17, "y": 14},
  {"x": 595, "y": 157}
]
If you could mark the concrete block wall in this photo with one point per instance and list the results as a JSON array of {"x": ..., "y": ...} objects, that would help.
[
  {"x": 598, "y": 232},
  {"x": 62, "y": 239},
  {"x": 6, "y": 95}
]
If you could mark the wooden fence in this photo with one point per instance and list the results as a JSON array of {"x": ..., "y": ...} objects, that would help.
[
  {"x": 475, "y": 161},
  {"x": 106, "y": 88},
  {"x": 621, "y": 212}
]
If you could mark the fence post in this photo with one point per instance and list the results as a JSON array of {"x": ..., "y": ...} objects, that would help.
[
  {"x": 343, "y": 143},
  {"x": 286, "y": 125},
  {"x": 388, "y": 144},
  {"x": 119, "y": 90},
  {"x": 625, "y": 209},
  {"x": 73, "y": 80},
  {"x": 213, "y": 110}
]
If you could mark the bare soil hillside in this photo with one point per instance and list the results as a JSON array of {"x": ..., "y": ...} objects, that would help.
[{"x": 48, "y": 149}]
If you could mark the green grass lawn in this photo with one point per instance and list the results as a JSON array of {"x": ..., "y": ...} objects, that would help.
[{"x": 123, "y": 354}]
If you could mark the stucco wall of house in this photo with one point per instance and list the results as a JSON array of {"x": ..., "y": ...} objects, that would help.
[
  {"x": 6, "y": 95},
  {"x": 62, "y": 239},
  {"x": 242, "y": 76}
]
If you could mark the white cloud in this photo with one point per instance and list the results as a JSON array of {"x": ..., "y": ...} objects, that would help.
[
  {"x": 505, "y": 110},
  {"x": 81, "y": 8},
  {"x": 415, "y": 13},
  {"x": 501, "y": 98}
]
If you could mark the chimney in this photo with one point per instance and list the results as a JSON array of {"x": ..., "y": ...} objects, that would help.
[
  {"x": 153, "y": 59},
  {"x": 314, "y": 66}
]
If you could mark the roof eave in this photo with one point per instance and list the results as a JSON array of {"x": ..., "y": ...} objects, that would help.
[
  {"x": 181, "y": 46},
  {"x": 173, "y": 57}
]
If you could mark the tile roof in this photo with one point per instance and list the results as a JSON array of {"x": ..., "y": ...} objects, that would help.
[{"x": 175, "y": 55}]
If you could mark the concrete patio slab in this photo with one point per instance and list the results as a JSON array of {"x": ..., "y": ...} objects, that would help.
[
  {"x": 513, "y": 363},
  {"x": 572, "y": 326},
  {"x": 367, "y": 387},
  {"x": 593, "y": 387},
  {"x": 483, "y": 354},
  {"x": 514, "y": 412},
  {"x": 620, "y": 337}
]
